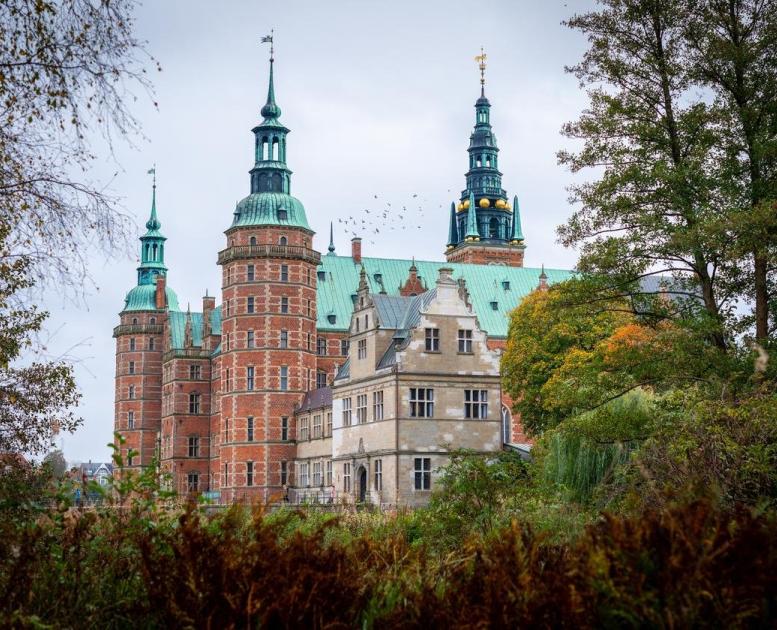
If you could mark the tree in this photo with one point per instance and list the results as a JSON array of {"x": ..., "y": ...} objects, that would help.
[
  {"x": 657, "y": 209},
  {"x": 732, "y": 47},
  {"x": 66, "y": 72},
  {"x": 36, "y": 397},
  {"x": 56, "y": 464}
]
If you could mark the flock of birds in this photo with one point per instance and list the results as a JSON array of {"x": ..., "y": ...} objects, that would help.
[{"x": 385, "y": 218}]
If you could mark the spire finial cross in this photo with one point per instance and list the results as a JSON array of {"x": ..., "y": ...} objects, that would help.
[
  {"x": 481, "y": 59},
  {"x": 269, "y": 38}
]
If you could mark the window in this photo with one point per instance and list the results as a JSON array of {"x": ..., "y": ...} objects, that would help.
[
  {"x": 284, "y": 378},
  {"x": 224, "y": 481},
  {"x": 131, "y": 367},
  {"x": 226, "y": 429},
  {"x": 131, "y": 392},
  {"x": 249, "y": 429},
  {"x": 494, "y": 305},
  {"x": 195, "y": 372},
  {"x": 193, "y": 481},
  {"x": 344, "y": 343},
  {"x": 250, "y": 304},
  {"x": 284, "y": 473},
  {"x": 150, "y": 343},
  {"x": 346, "y": 477},
  {"x": 304, "y": 428},
  {"x": 377, "y": 405},
  {"x": 307, "y": 275},
  {"x": 135, "y": 320},
  {"x": 432, "y": 340},
  {"x": 132, "y": 344},
  {"x": 317, "y": 426},
  {"x": 194, "y": 446},
  {"x": 378, "y": 475},
  {"x": 321, "y": 275},
  {"x": 284, "y": 304},
  {"x": 249, "y": 474},
  {"x": 506, "y": 285},
  {"x": 317, "y": 474},
  {"x": 361, "y": 409},
  {"x": 284, "y": 273},
  {"x": 250, "y": 378},
  {"x": 346, "y": 412},
  {"x": 194, "y": 402},
  {"x": 310, "y": 342},
  {"x": 228, "y": 380},
  {"x": 283, "y": 241},
  {"x": 284, "y": 343},
  {"x": 226, "y": 342},
  {"x": 328, "y": 427},
  {"x": 505, "y": 425},
  {"x": 310, "y": 309},
  {"x": 252, "y": 240},
  {"x": 130, "y": 419},
  {"x": 465, "y": 341},
  {"x": 475, "y": 403},
  {"x": 421, "y": 402},
  {"x": 129, "y": 459},
  {"x": 303, "y": 475},
  {"x": 423, "y": 473},
  {"x": 250, "y": 273},
  {"x": 320, "y": 379},
  {"x": 321, "y": 346},
  {"x": 329, "y": 472},
  {"x": 250, "y": 339},
  {"x": 362, "y": 349}
]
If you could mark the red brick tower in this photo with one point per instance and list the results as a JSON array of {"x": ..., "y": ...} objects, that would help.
[
  {"x": 268, "y": 344},
  {"x": 139, "y": 346}
]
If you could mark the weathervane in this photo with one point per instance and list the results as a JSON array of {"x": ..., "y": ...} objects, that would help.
[
  {"x": 152, "y": 171},
  {"x": 481, "y": 59},
  {"x": 269, "y": 38}
]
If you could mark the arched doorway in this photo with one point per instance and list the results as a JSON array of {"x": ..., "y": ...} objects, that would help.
[{"x": 362, "y": 484}]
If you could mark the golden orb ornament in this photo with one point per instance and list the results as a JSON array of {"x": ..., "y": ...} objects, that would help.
[
  {"x": 465, "y": 204},
  {"x": 484, "y": 203},
  {"x": 500, "y": 203}
]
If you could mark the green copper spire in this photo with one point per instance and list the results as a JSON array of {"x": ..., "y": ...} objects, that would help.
[
  {"x": 453, "y": 232},
  {"x": 331, "y": 247},
  {"x": 152, "y": 245},
  {"x": 517, "y": 234},
  {"x": 472, "y": 221},
  {"x": 271, "y": 111}
]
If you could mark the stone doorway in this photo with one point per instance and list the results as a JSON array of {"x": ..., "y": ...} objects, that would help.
[{"x": 362, "y": 484}]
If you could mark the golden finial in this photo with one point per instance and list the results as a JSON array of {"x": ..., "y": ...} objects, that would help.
[{"x": 481, "y": 59}]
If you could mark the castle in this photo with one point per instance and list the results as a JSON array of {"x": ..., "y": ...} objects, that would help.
[{"x": 324, "y": 378}]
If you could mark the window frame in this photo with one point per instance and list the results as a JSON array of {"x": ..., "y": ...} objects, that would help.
[
  {"x": 431, "y": 339},
  {"x": 464, "y": 338},
  {"x": 422, "y": 474},
  {"x": 421, "y": 401}
]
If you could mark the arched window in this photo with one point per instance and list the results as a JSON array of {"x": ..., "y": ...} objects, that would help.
[
  {"x": 265, "y": 149},
  {"x": 506, "y": 422},
  {"x": 148, "y": 250},
  {"x": 478, "y": 163},
  {"x": 252, "y": 240},
  {"x": 154, "y": 258},
  {"x": 488, "y": 162},
  {"x": 275, "y": 155},
  {"x": 283, "y": 241},
  {"x": 152, "y": 321}
]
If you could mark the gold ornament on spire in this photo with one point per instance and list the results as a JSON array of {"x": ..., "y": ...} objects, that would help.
[{"x": 481, "y": 59}]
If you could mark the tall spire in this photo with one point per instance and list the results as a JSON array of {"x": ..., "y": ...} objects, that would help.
[
  {"x": 152, "y": 244},
  {"x": 472, "y": 221},
  {"x": 271, "y": 109},
  {"x": 481, "y": 59},
  {"x": 453, "y": 232},
  {"x": 517, "y": 234},
  {"x": 331, "y": 247}
]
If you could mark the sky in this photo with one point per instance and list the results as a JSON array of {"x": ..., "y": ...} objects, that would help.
[{"x": 379, "y": 98}]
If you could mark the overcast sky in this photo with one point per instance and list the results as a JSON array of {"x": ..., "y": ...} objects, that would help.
[{"x": 379, "y": 98}]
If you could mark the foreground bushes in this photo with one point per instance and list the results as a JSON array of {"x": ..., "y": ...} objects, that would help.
[{"x": 682, "y": 566}]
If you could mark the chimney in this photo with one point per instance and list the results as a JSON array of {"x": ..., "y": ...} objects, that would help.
[
  {"x": 208, "y": 304},
  {"x": 161, "y": 297},
  {"x": 445, "y": 275},
  {"x": 356, "y": 250}
]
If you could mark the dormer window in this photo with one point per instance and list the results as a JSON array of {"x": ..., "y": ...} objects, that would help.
[
  {"x": 506, "y": 285},
  {"x": 353, "y": 298},
  {"x": 321, "y": 275},
  {"x": 331, "y": 318},
  {"x": 283, "y": 215},
  {"x": 494, "y": 305},
  {"x": 378, "y": 277}
]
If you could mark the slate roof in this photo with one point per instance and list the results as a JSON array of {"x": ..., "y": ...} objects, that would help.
[{"x": 316, "y": 399}]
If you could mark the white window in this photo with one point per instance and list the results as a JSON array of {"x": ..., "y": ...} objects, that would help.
[
  {"x": 328, "y": 427},
  {"x": 361, "y": 408},
  {"x": 304, "y": 428},
  {"x": 423, "y": 473},
  {"x": 432, "y": 340},
  {"x": 329, "y": 472},
  {"x": 303, "y": 475},
  {"x": 317, "y": 426},
  {"x": 377, "y": 405},
  {"x": 193, "y": 481},
  {"x": 362, "y": 349},
  {"x": 346, "y": 477},
  {"x": 476, "y": 403},
  {"x": 130, "y": 419},
  {"x": 421, "y": 402},
  {"x": 465, "y": 341},
  {"x": 317, "y": 474},
  {"x": 346, "y": 412},
  {"x": 378, "y": 475},
  {"x": 194, "y": 446}
]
